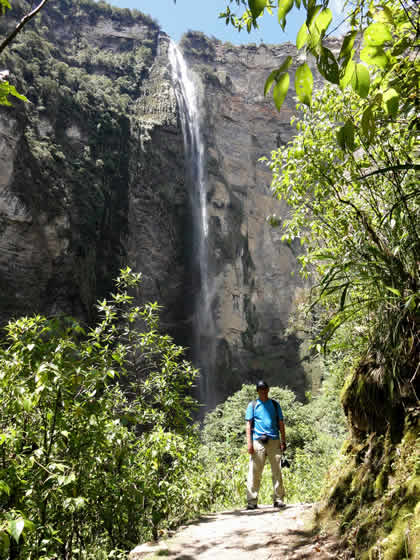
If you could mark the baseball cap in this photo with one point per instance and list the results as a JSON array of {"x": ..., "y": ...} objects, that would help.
[{"x": 262, "y": 385}]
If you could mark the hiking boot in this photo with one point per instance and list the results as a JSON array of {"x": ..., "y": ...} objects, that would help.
[
  {"x": 251, "y": 506},
  {"x": 279, "y": 504}
]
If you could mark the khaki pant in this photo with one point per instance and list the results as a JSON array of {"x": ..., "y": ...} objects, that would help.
[{"x": 272, "y": 450}]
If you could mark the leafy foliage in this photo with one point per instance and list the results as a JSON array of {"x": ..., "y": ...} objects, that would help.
[
  {"x": 7, "y": 89},
  {"x": 356, "y": 208},
  {"x": 389, "y": 32},
  {"x": 349, "y": 178},
  {"x": 75, "y": 134},
  {"x": 90, "y": 461}
]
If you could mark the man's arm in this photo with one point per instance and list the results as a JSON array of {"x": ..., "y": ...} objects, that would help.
[
  {"x": 283, "y": 434},
  {"x": 249, "y": 437}
]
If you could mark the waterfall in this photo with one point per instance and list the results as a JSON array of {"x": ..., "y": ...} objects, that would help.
[{"x": 203, "y": 347}]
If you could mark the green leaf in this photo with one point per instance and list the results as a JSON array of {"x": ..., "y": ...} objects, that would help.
[
  {"x": 304, "y": 83},
  {"x": 410, "y": 304},
  {"x": 374, "y": 55},
  {"x": 65, "y": 480},
  {"x": 368, "y": 125},
  {"x": 298, "y": 4},
  {"x": 274, "y": 75},
  {"x": 323, "y": 21},
  {"x": 345, "y": 136},
  {"x": 312, "y": 11},
  {"x": 30, "y": 525},
  {"x": 400, "y": 46},
  {"x": 286, "y": 64},
  {"x": 376, "y": 34},
  {"x": 4, "y": 543},
  {"x": 385, "y": 15},
  {"x": 394, "y": 291},
  {"x": 327, "y": 65},
  {"x": 314, "y": 38},
  {"x": 348, "y": 74},
  {"x": 361, "y": 80},
  {"x": 256, "y": 7},
  {"x": 347, "y": 45},
  {"x": 284, "y": 8},
  {"x": 27, "y": 404},
  {"x": 16, "y": 527},
  {"x": 391, "y": 101},
  {"x": 280, "y": 90},
  {"x": 4, "y": 4},
  {"x": 7, "y": 89},
  {"x": 4, "y": 488},
  {"x": 302, "y": 36}
]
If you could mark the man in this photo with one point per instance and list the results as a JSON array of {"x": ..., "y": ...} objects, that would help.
[{"x": 264, "y": 420}]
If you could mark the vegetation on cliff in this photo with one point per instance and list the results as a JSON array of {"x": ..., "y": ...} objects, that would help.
[
  {"x": 16, "y": 18},
  {"x": 74, "y": 135}
]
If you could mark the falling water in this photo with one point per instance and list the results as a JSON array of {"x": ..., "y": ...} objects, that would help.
[{"x": 203, "y": 328}]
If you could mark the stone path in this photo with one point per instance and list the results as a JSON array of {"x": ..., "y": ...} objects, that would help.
[{"x": 262, "y": 534}]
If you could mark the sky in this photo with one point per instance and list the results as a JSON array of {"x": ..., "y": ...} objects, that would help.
[{"x": 202, "y": 15}]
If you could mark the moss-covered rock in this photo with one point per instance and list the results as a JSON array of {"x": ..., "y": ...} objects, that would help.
[{"x": 374, "y": 493}]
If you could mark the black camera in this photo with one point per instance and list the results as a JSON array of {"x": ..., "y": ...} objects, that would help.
[{"x": 285, "y": 463}]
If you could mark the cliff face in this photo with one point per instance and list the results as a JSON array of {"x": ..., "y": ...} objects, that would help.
[
  {"x": 254, "y": 274},
  {"x": 93, "y": 178},
  {"x": 82, "y": 179}
]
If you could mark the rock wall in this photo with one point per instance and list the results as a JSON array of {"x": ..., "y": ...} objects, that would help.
[
  {"x": 92, "y": 174},
  {"x": 255, "y": 275},
  {"x": 92, "y": 178}
]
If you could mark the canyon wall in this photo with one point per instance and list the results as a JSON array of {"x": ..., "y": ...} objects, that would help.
[
  {"x": 92, "y": 178},
  {"x": 256, "y": 281}
]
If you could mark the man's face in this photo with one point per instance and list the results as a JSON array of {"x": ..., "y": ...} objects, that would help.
[{"x": 263, "y": 394}]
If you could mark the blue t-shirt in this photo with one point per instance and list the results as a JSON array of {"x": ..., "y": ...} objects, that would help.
[{"x": 265, "y": 420}]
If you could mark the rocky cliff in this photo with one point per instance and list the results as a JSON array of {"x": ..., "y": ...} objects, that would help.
[
  {"x": 256, "y": 281},
  {"x": 92, "y": 177}
]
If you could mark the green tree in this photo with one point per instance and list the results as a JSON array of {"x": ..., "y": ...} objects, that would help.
[
  {"x": 90, "y": 461},
  {"x": 356, "y": 208}
]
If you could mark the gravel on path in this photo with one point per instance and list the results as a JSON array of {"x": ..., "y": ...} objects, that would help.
[{"x": 262, "y": 534}]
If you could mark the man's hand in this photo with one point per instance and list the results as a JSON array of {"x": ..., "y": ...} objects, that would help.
[
  {"x": 283, "y": 446},
  {"x": 250, "y": 448}
]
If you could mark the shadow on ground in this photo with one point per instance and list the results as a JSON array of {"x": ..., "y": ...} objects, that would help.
[{"x": 265, "y": 533}]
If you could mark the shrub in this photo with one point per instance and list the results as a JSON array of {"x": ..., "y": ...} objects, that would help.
[{"x": 91, "y": 462}]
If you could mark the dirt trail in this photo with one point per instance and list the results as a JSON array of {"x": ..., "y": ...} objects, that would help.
[{"x": 263, "y": 534}]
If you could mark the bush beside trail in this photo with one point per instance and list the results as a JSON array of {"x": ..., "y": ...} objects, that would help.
[{"x": 92, "y": 463}]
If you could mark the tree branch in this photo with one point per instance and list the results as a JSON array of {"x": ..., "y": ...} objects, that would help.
[
  {"x": 21, "y": 24},
  {"x": 384, "y": 170}
]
